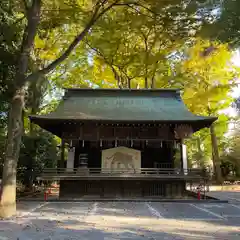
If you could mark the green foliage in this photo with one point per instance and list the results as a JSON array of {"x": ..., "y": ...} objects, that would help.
[
  {"x": 37, "y": 152},
  {"x": 207, "y": 81},
  {"x": 137, "y": 47},
  {"x": 126, "y": 48},
  {"x": 10, "y": 33},
  {"x": 226, "y": 25},
  {"x": 10, "y": 36},
  {"x": 231, "y": 155},
  {"x": 129, "y": 43},
  {"x": 214, "y": 76}
]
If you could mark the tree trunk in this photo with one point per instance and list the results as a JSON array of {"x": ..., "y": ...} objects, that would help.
[
  {"x": 15, "y": 128},
  {"x": 146, "y": 82},
  {"x": 15, "y": 124},
  {"x": 215, "y": 155},
  {"x": 153, "y": 83},
  {"x": 200, "y": 153}
]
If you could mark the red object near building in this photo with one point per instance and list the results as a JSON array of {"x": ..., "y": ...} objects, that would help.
[
  {"x": 45, "y": 196},
  {"x": 198, "y": 195}
]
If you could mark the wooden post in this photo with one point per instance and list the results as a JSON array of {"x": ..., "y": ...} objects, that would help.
[
  {"x": 181, "y": 154},
  {"x": 215, "y": 155},
  {"x": 70, "y": 159},
  {"x": 183, "y": 151}
]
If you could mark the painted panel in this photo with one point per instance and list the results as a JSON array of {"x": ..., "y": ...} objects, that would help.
[{"x": 127, "y": 159}]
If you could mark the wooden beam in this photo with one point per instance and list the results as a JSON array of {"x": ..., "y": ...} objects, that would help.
[{"x": 91, "y": 132}]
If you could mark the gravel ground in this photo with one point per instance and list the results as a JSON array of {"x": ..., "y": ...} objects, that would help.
[
  {"x": 232, "y": 196},
  {"x": 122, "y": 220}
]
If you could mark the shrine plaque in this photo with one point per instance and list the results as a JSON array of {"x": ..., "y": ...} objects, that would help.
[{"x": 122, "y": 158}]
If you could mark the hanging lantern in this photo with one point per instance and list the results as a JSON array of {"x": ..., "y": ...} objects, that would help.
[
  {"x": 82, "y": 143},
  {"x": 161, "y": 144},
  {"x": 100, "y": 142},
  {"x": 131, "y": 143},
  {"x": 115, "y": 142}
]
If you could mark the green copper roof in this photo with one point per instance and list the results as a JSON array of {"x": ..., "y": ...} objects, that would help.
[
  {"x": 123, "y": 105},
  {"x": 120, "y": 106}
]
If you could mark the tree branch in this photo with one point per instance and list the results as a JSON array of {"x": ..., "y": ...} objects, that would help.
[
  {"x": 136, "y": 4},
  {"x": 27, "y": 42},
  {"x": 135, "y": 9},
  {"x": 76, "y": 41},
  {"x": 111, "y": 65},
  {"x": 80, "y": 36}
]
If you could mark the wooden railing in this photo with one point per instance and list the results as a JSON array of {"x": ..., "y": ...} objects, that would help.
[{"x": 101, "y": 172}]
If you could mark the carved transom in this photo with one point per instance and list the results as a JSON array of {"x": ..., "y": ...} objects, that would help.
[{"x": 183, "y": 131}]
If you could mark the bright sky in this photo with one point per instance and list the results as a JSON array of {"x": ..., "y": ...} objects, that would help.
[{"x": 236, "y": 91}]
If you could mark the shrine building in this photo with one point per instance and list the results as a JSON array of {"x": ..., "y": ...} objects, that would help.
[{"x": 125, "y": 143}]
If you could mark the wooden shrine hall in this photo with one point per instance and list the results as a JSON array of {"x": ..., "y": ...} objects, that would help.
[{"x": 122, "y": 143}]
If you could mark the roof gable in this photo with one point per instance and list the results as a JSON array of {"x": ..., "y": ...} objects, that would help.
[{"x": 128, "y": 105}]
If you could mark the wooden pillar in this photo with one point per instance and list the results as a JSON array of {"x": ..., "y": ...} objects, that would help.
[
  {"x": 183, "y": 151},
  {"x": 181, "y": 154},
  {"x": 70, "y": 159},
  {"x": 172, "y": 155}
]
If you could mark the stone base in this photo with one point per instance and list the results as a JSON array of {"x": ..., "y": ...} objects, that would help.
[
  {"x": 122, "y": 188},
  {"x": 8, "y": 210}
]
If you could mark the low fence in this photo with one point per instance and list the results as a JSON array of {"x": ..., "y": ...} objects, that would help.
[{"x": 131, "y": 173}]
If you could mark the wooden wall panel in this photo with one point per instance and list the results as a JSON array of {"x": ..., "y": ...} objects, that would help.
[
  {"x": 106, "y": 133},
  {"x": 89, "y": 132},
  {"x": 94, "y": 133}
]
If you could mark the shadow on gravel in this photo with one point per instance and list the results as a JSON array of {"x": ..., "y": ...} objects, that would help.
[
  {"x": 47, "y": 229},
  {"x": 126, "y": 221}
]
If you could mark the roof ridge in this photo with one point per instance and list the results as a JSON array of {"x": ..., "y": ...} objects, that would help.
[{"x": 124, "y": 90}]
